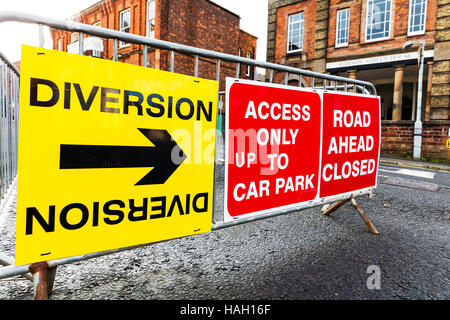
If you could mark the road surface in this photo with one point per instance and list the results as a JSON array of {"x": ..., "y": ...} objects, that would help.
[{"x": 301, "y": 255}]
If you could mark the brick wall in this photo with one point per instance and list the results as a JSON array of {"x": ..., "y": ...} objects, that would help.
[
  {"x": 397, "y": 138},
  {"x": 315, "y": 35},
  {"x": 247, "y": 45},
  {"x": 309, "y": 24},
  {"x": 434, "y": 137},
  {"x": 205, "y": 25}
]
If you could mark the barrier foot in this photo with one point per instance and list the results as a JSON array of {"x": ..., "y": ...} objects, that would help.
[
  {"x": 43, "y": 280},
  {"x": 327, "y": 209},
  {"x": 363, "y": 216}
]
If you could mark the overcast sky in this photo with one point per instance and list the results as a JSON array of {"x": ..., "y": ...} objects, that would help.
[{"x": 253, "y": 15}]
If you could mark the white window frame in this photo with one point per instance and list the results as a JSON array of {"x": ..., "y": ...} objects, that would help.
[
  {"x": 122, "y": 29},
  {"x": 339, "y": 24},
  {"x": 414, "y": 33},
  {"x": 73, "y": 37},
  {"x": 96, "y": 53},
  {"x": 302, "y": 19},
  {"x": 248, "y": 71},
  {"x": 149, "y": 21},
  {"x": 385, "y": 21}
]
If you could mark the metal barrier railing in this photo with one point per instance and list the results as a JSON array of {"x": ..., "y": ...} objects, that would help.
[
  {"x": 9, "y": 110},
  {"x": 328, "y": 82},
  {"x": 71, "y": 26}
]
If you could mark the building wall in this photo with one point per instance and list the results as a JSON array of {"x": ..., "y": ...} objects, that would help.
[
  {"x": 434, "y": 136},
  {"x": 397, "y": 137},
  {"x": 205, "y": 25},
  {"x": 397, "y": 89},
  {"x": 315, "y": 34},
  {"x": 197, "y": 23},
  {"x": 247, "y": 46},
  {"x": 309, "y": 9},
  {"x": 440, "y": 92},
  {"x": 398, "y": 36}
]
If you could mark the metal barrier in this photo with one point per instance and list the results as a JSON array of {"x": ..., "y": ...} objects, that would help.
[
  {"x": 9, "y": 110},
  {"x": 44, "y": 273}
]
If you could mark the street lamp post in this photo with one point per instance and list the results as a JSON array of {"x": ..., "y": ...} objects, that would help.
[{"x": 418, "y": 124}]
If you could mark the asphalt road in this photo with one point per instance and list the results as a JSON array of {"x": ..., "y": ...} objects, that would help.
[{"x": 301, "y": 255}]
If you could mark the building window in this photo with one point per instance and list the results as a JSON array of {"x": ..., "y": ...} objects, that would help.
[
  {"x": 96, "y": 53},
  {"x": 295, "y": 33},
  {"x": 73, "y": 37},
  {"x": 378, "y": 21},
  {"x": 60, "y": 44},
  {"x": 342, "y": 25},
  {"x": 124, "y": 24},
  {"x": 248, "y": 72},
  {"x": 151, "y": 18},
  {"x": 417, "y": 16}
]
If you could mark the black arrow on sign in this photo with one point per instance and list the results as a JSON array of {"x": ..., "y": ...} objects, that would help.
[{"x": 166, "y": 156}]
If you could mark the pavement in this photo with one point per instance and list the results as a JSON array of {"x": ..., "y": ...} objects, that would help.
[{"x": 414, "y": 163}]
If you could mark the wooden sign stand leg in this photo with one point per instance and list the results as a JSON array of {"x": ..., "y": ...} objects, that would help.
[{"x": 327, "y": 209}]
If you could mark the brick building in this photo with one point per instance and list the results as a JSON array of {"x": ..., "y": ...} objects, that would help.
[
  {"x": 363, "y": 39},
  {"x": 197, "y": 23}
]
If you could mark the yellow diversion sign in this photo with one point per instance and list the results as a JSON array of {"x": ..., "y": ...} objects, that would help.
[{"x": 111, "y": 155}]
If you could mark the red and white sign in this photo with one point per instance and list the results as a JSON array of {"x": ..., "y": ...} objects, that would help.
[
  {"x": 351, "y": 143},
  {"x": 288, "y": 146}
]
